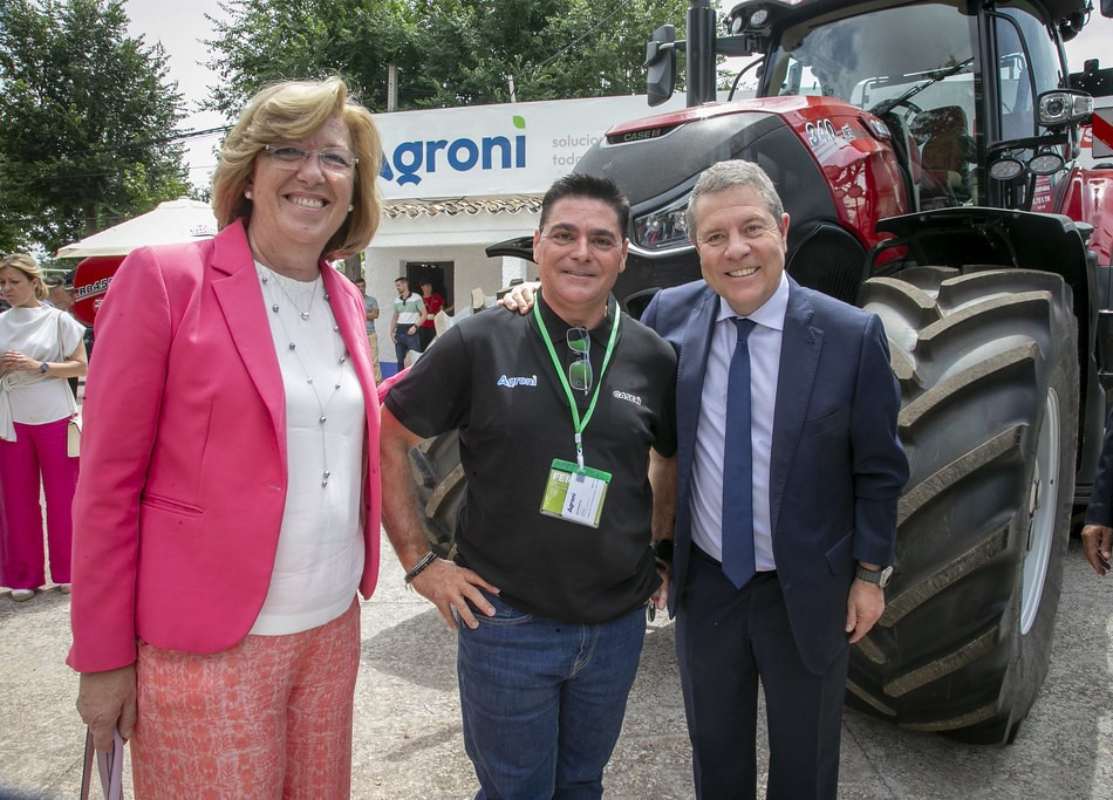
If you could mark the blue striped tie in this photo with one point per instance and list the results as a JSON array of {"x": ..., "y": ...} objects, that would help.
[{"x": 738, "y": 511}]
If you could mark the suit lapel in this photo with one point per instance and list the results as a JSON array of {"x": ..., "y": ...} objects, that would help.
[
  {"x": 694, "y": 348},
  {"x": 800, "y": 347},
  {"x": 241, "y": 301}
]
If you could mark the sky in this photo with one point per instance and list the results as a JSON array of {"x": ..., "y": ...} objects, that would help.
[{"x": 182, "y": 27}]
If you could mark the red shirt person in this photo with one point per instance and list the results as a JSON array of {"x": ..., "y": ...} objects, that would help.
[{"x": 434, "y": 302}]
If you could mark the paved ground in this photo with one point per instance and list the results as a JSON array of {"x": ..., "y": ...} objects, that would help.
[{"x": 408, "y": 742}]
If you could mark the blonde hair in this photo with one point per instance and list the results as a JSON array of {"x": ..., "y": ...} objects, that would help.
[
  {"x": 293, "y": 110},
  {"x": 29, "y": 267}
]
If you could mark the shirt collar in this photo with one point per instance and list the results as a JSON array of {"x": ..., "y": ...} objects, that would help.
[
  {"x": 770, "y": 314},
  {"x": 601, "y": 333}
]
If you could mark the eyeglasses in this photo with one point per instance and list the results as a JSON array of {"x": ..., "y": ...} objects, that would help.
[
  {"x": 602, "y": 243},
  {"x": 579, "y": 371},
  {"x": 332, "y": 159}
]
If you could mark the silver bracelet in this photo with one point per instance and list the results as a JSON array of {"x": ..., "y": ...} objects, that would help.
[{"x": 420, "y": 566}]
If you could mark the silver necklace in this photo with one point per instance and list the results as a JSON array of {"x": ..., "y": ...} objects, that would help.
[
  {"x": 341, "y": 356},
  {"x": 312, "y": 297}
]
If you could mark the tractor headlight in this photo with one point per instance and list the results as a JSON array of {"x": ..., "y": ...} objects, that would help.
[
  {"x": 1061, "y": 107},
  {"x": 664, "y": 227},
  {"x": 1006, "y": 169}
]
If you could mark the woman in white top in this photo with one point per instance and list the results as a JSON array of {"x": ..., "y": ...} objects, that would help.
[{"x": 40, "y": 347}]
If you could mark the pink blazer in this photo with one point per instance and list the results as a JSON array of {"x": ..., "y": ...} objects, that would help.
[{"x": 183, "y": 463}]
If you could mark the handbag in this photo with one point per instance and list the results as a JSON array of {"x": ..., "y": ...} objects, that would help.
[
  {"x": 73, "y": 436},
  {"x": 110, "y": 767}
]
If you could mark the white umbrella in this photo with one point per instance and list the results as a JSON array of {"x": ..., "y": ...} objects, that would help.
[{"x": 181, "y": 220}]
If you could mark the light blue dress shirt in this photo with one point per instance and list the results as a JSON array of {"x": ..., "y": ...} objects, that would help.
[{"x": 707, "y": 464}]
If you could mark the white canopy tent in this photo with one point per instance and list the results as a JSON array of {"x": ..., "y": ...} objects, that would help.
[{"x": 181, "y": 220}]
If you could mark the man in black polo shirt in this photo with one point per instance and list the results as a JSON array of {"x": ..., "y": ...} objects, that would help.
[{"x": 554, "y": 543}]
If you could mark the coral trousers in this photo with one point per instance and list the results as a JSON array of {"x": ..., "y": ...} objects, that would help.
[
  {"x": 268, "y": 718},
  {"x": 37, "y": 458}
]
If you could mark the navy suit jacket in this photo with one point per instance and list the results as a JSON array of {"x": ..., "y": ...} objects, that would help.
[{"x": 837, "y": 466}]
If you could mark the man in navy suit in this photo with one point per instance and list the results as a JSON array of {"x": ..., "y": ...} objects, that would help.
[{"x": 788, "y": 474}]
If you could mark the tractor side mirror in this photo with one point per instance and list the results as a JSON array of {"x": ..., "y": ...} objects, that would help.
[
  {"x": 660, "y": 59},
  {"x": 1093, "y": 80}
]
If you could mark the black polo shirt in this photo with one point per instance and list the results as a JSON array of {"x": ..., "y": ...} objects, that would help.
[{"x": 491, "y": 377}]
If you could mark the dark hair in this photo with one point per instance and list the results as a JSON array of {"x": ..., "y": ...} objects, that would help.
[
  {"x": 577, "y": 185},
  {"x": 402, "y": 278}
]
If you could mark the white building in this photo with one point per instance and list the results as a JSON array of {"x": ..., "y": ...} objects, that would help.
[{"x": 456, "y": 180}]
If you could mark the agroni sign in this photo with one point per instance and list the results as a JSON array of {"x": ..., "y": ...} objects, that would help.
[
  {"x": 492, "y": 150},
  {"x": 412, "y": 161}
]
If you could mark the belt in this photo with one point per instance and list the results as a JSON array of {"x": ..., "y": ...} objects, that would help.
[{"x": 702, "y": 555}]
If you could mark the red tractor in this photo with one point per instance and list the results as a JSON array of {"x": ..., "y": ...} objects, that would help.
[{"x": 926, "y": 154}]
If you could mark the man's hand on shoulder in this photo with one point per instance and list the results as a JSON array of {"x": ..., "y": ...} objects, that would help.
[
  {"x": 520, "y": 298},
  {"x": 453, "y": 588},
  {"x": 864, "y": 608}
]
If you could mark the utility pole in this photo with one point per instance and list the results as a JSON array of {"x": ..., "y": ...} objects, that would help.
[
  {"x": 392, "y": 87},
  {"x": 513, "y": 90}
]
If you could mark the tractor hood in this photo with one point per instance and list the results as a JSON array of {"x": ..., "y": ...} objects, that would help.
[
  {"x": 657, "y": 160},
  {"x": 657, "y": 155}
]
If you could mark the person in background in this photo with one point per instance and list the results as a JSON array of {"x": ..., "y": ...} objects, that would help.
[
  {"x": 434, "y": 302},
  {"x": 229, "y": 508},
  {"x": 409, "y": 314},
  {"x": 371, "y": 313},
  {"x": 40, "y": 347}
]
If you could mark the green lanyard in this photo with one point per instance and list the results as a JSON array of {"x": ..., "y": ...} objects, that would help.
[{"x": 578, "y": 425}]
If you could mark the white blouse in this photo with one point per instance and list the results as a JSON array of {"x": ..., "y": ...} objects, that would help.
[
  {"x": 44, "y": 334},
  {"x": 319, "y": 560}
]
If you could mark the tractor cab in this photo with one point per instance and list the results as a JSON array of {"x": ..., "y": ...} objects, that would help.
[{"x": 959, "y": 85}]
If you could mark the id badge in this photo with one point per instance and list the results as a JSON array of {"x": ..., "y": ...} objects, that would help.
[{"x": 575, "y": 495}]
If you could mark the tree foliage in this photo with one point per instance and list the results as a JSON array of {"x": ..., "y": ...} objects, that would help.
[
  {"x": 87, "y": 112},
  {"x": 448, "y": 52}
]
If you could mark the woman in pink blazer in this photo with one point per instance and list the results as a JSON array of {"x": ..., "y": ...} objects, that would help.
[{"x": 228, "y": 505}]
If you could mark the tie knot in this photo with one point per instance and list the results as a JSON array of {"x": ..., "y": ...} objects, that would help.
[{"x": 745, "y": 327}]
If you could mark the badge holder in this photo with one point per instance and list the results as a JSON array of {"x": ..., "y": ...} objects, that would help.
[{"x": 575, "y": 494}]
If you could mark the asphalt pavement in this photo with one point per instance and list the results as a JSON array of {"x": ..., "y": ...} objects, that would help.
[{"x": 409, "y": 745}]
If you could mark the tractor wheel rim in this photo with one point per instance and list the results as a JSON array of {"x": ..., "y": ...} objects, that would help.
[{"x": 1041, "y": 535}]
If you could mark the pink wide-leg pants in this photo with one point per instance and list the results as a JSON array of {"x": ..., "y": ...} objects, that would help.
[{"x": 37, "y": 455}]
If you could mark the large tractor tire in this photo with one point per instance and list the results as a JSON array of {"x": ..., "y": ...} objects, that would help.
[
  {"x": 441, "y": 489},
  {"x": 987, "y": 363}
]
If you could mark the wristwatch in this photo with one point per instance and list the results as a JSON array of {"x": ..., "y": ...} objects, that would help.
[
  {"x": 43, "y": 367},
  {"x": 879, "y": 576}
]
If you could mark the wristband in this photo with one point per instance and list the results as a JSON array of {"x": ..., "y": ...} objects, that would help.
[{"x": 420, "y": 566}]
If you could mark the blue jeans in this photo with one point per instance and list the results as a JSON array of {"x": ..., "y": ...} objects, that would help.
[
  {"x": 543, "y": 701},
  {"x": 403, "y": 343}
]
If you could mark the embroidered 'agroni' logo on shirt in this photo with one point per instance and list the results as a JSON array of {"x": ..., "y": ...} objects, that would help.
[{"x": 513, "y": 383}]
